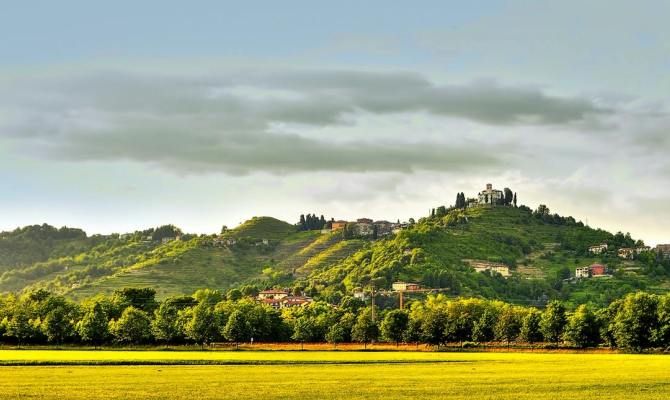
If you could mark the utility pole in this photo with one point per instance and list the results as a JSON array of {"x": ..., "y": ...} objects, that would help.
[
  {"x": 400, "y": 294},
  {"x": 373, "y": 303}
]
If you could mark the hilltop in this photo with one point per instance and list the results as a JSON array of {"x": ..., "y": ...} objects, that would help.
[{"x": 539, "y": 251}]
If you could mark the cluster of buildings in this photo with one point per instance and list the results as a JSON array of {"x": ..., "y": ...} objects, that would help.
[
  {"x": 281, "y": 298},
  {"x": 592, "y": 271},
  {"x": 629, "y": 253},
  {"x": 365, "y": 227}
]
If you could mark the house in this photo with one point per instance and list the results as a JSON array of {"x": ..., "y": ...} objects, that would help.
[
  {"x": 598, "y": 270},
  {"x": 383, "y": 227},
  {"x": 273, "y": 294},
  {"x": 405, "y": 286},
  {"x": 360, "y": 294},
  {"x": 642, "y": 249},
  {"x": 490, "y": 195},
  {"x": 482, "y": 266},
  {"x": 263, "y": 242},
  {"x": 337, "y": 225},
  {"x": 663, "y": 250},
  {"x": 274, "y": 303},
  {"x": 583, "y": 272},
  {"x": 598, "y": 249},
  {"x": 501, "y": 269},
  {"x": 295, "y": 301},
  {"x": 364, "y": 229},
  {"x": 626, "y": 253}
]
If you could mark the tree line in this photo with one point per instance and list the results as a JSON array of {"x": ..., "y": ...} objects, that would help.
[
  {"x": 311, "y": 222},
  {"x": 637, "y": 322}
]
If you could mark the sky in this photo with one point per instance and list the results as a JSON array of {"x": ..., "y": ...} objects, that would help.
[{"x": 125, "y": 115}]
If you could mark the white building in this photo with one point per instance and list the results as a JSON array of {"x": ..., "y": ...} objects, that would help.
[
  {"x": 490, "y": 195},
  {"x": 583, "y": 272},
  {"x": 598, "y": 249}
]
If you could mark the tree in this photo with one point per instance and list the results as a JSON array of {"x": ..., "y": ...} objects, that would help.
[
  {"x": 394, "y": 325},
  {"x": 234, "y": 294},
  {"x": 141, "y": 298},
  {"x": 483, "y": 328},
  {"x": 336, "y": 334},
  {"x": 441, "y": 211},
  {"x": 636, "y": 322},
  {"x": 165, "y": 326},
  {"x": 508, "y": 325},
  {"x": 58, "y": 325},
  {"x": 134, "y": 327},
  {"x": 514, "y": 201},
  {"x": 553, "y": 321},
  {"x": 662, "y": 334},
  {"x": 202, "y": 327},
  {"x": 237, "y": 328},
  {"x": 20, "y": 326},
  {"x": 365, "y": 330},
  {"x": 94, "y": 327},
  {"x": 530, "y": 327},
  {"x": 582, "y": 328},
  {"x": 433, "y": 327},
  {"x": 303, "y": 330},
  {"x": 509, "y": 196}
]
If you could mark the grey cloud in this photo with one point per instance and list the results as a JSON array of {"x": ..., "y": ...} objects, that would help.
[{"x": 221, "y": 121}]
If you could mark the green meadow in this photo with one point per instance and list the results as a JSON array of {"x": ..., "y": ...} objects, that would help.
[{"x": 330, "y": 375}]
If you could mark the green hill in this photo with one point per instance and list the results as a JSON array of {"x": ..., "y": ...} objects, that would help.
[
  {"x": 540, "y": 250},
  {"x": 263, "y": 228}
]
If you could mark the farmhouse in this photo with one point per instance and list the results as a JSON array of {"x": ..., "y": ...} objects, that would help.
[
  {"x": 274, "y": 303},
  {"x": 273, "y": 294},
  {"x": 295, "y": 301},
  {"x": 337, "y": 225},
  {"x": 383, "y": 227},
  {"x": 405, "y": 286},
  {"x": 626, "y": 253},
  {"x": 583, "y": 272},
  {"x": 482, "y": 266},
  {"x": 598, "y": 249}
]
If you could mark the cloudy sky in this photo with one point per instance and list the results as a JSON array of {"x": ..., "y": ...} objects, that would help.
[{"x": 126, "y": 115}]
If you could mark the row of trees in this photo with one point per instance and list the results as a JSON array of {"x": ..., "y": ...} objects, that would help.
[
  {"x": 635, "y": 323},
  {"x": 311, "y": 222}
]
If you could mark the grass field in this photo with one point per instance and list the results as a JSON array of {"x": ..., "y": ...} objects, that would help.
[{"x": 334, "y": 375}]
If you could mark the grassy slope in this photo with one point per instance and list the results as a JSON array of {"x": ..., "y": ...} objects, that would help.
[
  {"x": 533, "y": 248},
  {"x": 180, "y": 267}
]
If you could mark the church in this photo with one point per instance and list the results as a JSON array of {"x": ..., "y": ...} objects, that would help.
[{"x": 490, "y": 195}]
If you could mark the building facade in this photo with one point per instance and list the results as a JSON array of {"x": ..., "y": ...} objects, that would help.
[{"x": 490, "y": 195}]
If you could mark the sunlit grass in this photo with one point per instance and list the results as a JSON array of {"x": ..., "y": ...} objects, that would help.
[{"x": 350, "y": 375}]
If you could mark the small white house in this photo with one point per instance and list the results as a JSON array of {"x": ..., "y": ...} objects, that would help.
[{"x": 598, "y": 249}]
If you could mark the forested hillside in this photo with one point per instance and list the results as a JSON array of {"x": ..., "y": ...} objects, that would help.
[{"x": 541, "y": 251}]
